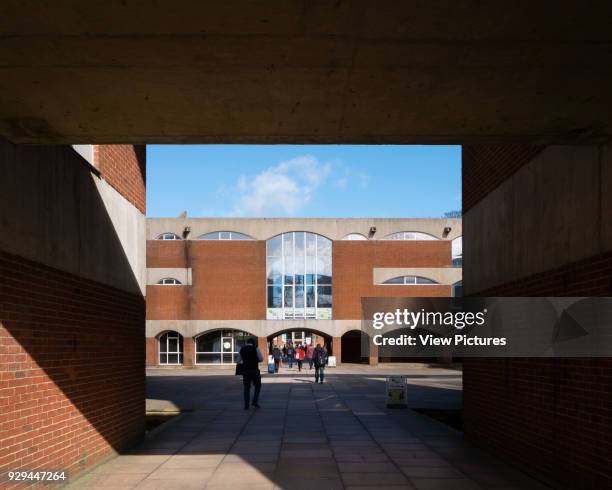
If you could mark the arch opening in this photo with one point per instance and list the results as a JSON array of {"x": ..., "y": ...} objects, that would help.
[{"x": 220, "y": 346}]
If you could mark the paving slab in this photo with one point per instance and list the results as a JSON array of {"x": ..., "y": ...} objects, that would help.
[{"x": 338, "y": 435}]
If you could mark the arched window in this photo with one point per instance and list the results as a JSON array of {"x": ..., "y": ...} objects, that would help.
[
  {"x": 168, "y": 236},
  {"x": 410, "y": 280},
  {"x": 299, "y": 276},
  {"x": 169, "y": 281},
  {"x": 220, "y": 346},
  {"x": 354, "y": 236},
  {"x": 224, "y": 235},
  {"x": 171, "y": 348},
  {"x": 457, "y": 251},
  {"x": 410, "y": 235}
]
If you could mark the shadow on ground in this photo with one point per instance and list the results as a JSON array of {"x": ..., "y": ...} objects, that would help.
[{"x": 335, "y": 435}]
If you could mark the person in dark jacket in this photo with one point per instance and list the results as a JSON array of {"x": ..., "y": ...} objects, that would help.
[
  {"x": 276, "y": 355},
  {"x": 251, "y": 356},
  {"x": 319, "y": 359}
]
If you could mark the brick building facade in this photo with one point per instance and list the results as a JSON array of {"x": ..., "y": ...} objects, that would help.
[{"x": 212, "y": 282}]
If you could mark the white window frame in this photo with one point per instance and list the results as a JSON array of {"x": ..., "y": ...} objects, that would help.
[
  {"x": 162, "y": 282},
  {"x": 179, "y": 352},
  {"x": 289, "y": 313},
  {"x": 174, "y": 235},
  {"x": 406, "y": 283}
]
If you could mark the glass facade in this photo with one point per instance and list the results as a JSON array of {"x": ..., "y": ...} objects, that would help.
[
  {"x": 299, "y": 276},
  {"x": 221, "y": 346}
]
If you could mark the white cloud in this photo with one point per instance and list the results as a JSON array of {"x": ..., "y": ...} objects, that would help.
[{"x": 280, "y": 190}]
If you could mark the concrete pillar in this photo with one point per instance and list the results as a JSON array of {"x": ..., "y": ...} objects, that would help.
[
  {"x": 262, "y": 343},
  {"x": 188, "y": 352},
  {"x": 373, "y": 358},
  {"x": 337, "y": 349}
]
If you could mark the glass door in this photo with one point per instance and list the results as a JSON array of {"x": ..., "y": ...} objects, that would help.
[{"x": 227, "y": 350}]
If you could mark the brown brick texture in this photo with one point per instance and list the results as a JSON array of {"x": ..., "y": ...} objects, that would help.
[
  {"x": 229, "y": 277},
  {"x": 229, "y": 280},
  {"x": 550, "y": 416},
  {"x": 354, "y": 261},
  {"x": 553, "y": 416},
  {"x": 71, "y": 368},
  {"x": 485, "y": 167},
  {"x": 124, "y": 168}
]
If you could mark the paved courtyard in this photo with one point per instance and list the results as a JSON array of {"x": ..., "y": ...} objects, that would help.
[{"x": 332, "y": 436}]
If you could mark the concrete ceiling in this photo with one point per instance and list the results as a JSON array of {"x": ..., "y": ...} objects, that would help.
[{"x": 101, "y": 71}]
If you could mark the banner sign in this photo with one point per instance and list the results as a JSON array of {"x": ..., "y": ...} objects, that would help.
[{"x": 487, "y": 327}]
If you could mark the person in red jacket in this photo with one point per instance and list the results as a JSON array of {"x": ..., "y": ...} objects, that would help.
[
  {"x": 299, "y": 356},
  {"x": 309, "y": 354}
]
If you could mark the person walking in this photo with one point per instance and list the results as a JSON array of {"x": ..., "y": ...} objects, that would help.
[
  {"x": 250, "y": 357},
  {"x": 299, "y": 356},
  {"x": 319, "y": 358},
  {"x": 290, "y": 355},
  {"x": 276, "y": 355},
  {"x": 309, "y": 353}
]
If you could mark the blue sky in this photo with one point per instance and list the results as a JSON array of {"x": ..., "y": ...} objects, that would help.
[{"x": 303, "y": 180}]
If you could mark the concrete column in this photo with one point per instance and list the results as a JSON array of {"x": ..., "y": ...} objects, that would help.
[
  {"x": 188, "y": 352},
  {"x": 262, "y": 343},
  {"x": 373, "y": 358},
  {"x": 337, "y": 349}
]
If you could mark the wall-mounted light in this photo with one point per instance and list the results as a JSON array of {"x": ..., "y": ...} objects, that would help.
[
  {"x": 186, "y": 231},
  {"x": 447, "y": 230},
  {"x": 372, "y": 231}
]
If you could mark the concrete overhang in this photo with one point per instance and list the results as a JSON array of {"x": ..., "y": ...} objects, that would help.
[{"x": 291, "y": 71}]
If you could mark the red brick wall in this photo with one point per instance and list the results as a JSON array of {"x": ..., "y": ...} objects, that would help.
[
  {"x": 553, "y": 416},
  {"x": 71, "y": 377},
  {"x": 354, "y": 261},
  {"x": 229, "y": 280},
  {"x": 168, "y": 302},
  {"x": 484, "y": 167},
  {"x": 124, "y": 168},
  {"x": 167, "y": 253},
  {"x": 229, "y": 276}
]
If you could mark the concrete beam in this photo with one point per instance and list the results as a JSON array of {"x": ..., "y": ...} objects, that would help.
[{"x": 305, "y": 72}]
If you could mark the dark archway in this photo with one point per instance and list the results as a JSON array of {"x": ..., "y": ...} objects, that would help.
[{"x": 351, "y": 345}]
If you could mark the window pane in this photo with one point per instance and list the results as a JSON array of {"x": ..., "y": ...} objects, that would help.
[
  {"x": 395, "y": 280},
  {"x": 240, "y": 236},
  {"x": 310, "y": 296},
  {"x": 274, "y": 297},
  {"x": 273, "y": 247},
  {"x": 163, "y": 358},
  {"x": 208, "y": 358},
  {"x": 324, "y": 294},
  {"x": 172, "y": 344},
  {"x": 288, "y": 297},
  {"x": 173, "y": 359},
  {"x": 299, "y": 296},
  {"x": 225, "y": 235},
  {"x": 424, "y": 280},
  {"x": 163, "y": 346},
  {"x": 210, "y": 236},
  {"x": 210, "y": 342}
]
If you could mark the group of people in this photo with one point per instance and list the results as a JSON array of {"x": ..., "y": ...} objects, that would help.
[
  {"x": 251, "y": 356},
  {"x": 293, "y": 355}
]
